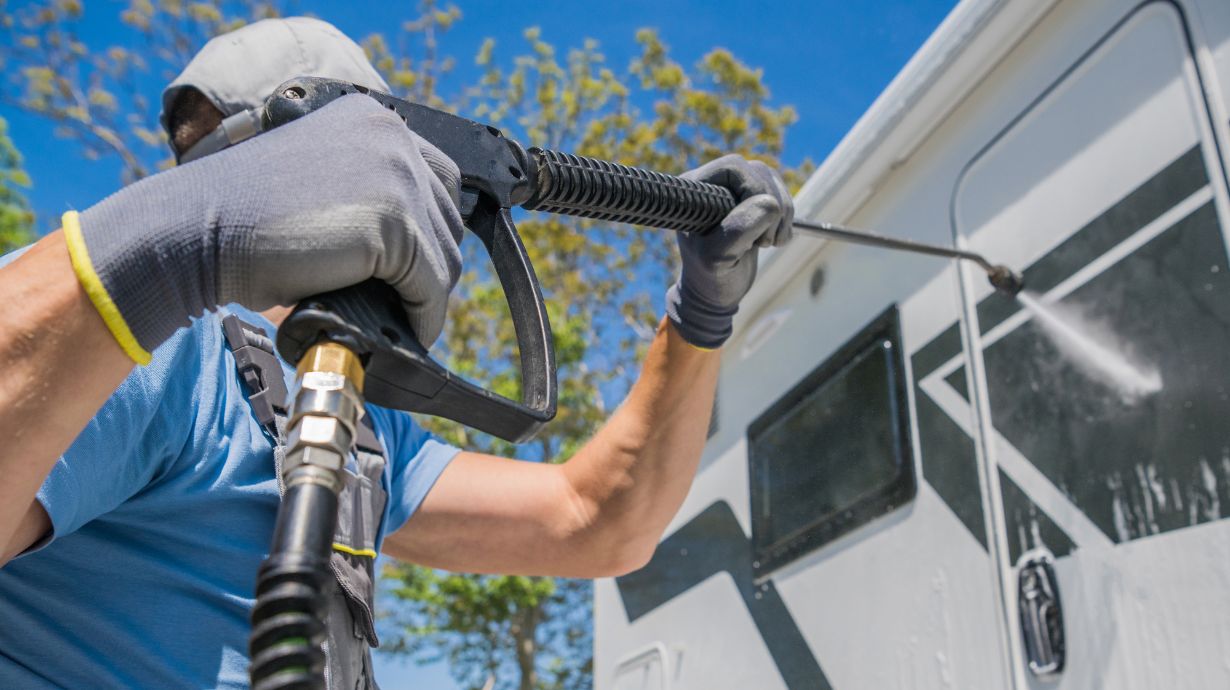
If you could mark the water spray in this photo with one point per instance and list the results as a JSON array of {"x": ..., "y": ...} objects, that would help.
[
  {"x": 1094, "y": 356},
  {"x": 1002, "y": 278}
]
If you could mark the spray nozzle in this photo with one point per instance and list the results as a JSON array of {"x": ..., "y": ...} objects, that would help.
[{"x": 1005, "y": 280}]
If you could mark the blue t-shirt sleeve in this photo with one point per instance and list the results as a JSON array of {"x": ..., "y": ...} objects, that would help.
[
  {"x": 416, "y": 461},
  {"x": 136, "y": 434}
]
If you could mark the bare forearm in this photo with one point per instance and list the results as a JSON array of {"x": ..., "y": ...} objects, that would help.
[
  {"x": 599, "y": 514},
  {"x": 634, "y": 474},
  {"x": 603, "y": 512},
  {"x": 60, "y": 365}
]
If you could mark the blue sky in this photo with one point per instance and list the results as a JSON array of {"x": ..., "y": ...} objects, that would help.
[{"x": 828, "y": 58}]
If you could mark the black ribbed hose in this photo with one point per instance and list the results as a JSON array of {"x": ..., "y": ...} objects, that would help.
[
  {"x": 592, "y": 188},
  {"x": 287, "y": 621}
]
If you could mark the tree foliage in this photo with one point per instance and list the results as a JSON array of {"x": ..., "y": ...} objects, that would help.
[
  {"x": 527, "y": 632},
  {"x": 99, "y": 95},
  {"x": 603, "y": 283},
  {"x": 16, "y": 219}
]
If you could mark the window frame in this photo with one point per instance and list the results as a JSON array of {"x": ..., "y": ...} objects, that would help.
[{"x": 893, "y": 494}]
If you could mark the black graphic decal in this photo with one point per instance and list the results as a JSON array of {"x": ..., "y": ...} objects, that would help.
[
  {"x": 948, "y": 461},
  {"x": 959, "y": 384},
  {"x": 1028, "y": 525},
  {"x": 714, "y": 542},
  {"x": 1114, "y": 498},
  {"x": 950, "y": 465},
  {"x": 1174, "y": 183},
  {"x": 1136, "y": 464},
  {"x": 942, "y": 348}
]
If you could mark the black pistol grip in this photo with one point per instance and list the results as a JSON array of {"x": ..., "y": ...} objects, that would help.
[{"x": 369, "y": 318}]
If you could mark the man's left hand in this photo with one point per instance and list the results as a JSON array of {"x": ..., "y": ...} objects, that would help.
[{"x": 719, "y": 265}]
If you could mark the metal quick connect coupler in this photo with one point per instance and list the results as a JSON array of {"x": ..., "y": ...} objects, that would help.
[{"x": 327, "y": 405}]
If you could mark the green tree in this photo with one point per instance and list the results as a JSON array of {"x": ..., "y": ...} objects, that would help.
[
  {"x": 104, "y": 97},
  {"x": 16, "y": 219},
  {"x": 603, "y": 283}
]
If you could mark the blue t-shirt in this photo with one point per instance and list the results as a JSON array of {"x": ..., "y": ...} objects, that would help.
[{"x": 162, "y": 510}]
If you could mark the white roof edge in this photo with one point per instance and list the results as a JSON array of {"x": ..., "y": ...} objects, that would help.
[
  {"x": 894, "y": 106},
  {"x": 967, "y": 45}
]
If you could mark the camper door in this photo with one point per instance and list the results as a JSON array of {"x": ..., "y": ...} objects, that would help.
[{"x": 1107, "y": 389}]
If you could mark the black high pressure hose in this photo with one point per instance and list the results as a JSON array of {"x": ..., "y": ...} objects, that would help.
[{"x": 288, "y": 621}]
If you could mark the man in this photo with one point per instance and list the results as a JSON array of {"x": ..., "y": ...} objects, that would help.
[{"x": 136, "y": 504}]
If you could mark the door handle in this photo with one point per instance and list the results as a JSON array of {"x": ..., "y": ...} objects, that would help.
[{"x": 1041, "y": 613}]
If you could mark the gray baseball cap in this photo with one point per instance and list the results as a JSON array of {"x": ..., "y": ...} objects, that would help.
[{"x": 237, "y": 71}]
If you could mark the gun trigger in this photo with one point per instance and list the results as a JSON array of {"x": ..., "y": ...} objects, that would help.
[{"x": 468, "y": 201}]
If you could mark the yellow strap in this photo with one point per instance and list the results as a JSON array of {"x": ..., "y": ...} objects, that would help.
[
  {"x": 370, "y": 553},
  {"x": 84, "y": 268}
]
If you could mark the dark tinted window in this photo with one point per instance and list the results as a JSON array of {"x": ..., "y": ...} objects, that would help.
[{"x": 834, "y": 452}]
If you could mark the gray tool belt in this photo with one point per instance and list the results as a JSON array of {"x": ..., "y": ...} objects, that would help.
[{"x": 351, "y": 626}]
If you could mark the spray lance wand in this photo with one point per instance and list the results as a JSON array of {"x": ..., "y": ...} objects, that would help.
[
  {"x": 1002, "y": 278},
  {"x": 355, "y": 344}
]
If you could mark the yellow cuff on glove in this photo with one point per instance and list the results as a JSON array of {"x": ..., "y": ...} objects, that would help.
[{"x": 84, "y": 268}]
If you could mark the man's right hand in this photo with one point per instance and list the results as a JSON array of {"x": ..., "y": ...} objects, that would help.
[{"x": 325, "y": 202}]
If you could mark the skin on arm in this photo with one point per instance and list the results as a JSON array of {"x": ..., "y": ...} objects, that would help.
[
  {"x": 603, "y": 511},
  {"x": 599, "y": 514},
  {"x": 60, "y": 361},
  {"x": 60, "y": 365},
  {"x": 63, "y": 360}
]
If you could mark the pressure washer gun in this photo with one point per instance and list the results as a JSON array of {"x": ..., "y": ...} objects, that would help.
[{"x": 356, "y": 344}]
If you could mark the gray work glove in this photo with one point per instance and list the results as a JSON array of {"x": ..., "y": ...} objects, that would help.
[
  {"x": 342, "y": 195},
  {"x": 720, "y": 265}
]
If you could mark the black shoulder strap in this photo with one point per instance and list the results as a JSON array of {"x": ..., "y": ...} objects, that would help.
[{"x": 260, "y": 370}]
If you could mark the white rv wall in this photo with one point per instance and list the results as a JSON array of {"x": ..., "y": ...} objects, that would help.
[{"x": 915, "y": 599}]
